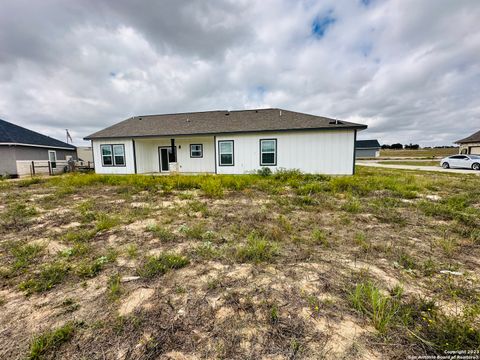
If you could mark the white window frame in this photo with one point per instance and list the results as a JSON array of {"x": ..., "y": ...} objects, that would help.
[
  {"x": 53, "y": 163},
  {"x": 114, "y": 162},
  {"x": 123, "y": 155},
  {"x": 274, "y": 152},
  {"x": 226, "y": 153},
  {"x": 199, "y": 150}
]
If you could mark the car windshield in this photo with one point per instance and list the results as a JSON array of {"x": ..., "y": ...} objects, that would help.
[{"x": 474, "y": 156}]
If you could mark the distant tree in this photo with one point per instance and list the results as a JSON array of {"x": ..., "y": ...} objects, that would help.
[
  {"x": 411, "y": 146},
  {"x": 396, "y": 146},
  {"x": 385, "y": 146}
]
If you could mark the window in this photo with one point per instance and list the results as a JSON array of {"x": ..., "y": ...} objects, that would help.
[
  {"x": 118, "y": 155},
  {"x": 196, "y": 150},
  {"x": 268, "y": 152},
  {"x": 106, "y": 151},
  {"x": 113, "y": 155},
  {"x": 225, "y": 152}
]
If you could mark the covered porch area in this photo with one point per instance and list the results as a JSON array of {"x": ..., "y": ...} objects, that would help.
[{"x": 182, "y": 154}]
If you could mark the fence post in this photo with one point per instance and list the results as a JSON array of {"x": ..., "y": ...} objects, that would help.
[
  {"x": 32, "y": 170},
  {"x": 49, "y": 168}
]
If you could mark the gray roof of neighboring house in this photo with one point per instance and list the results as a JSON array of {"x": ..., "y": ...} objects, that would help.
[
  {"x": 474, "y": 138},
  {"x": 220, "y": 122},
  {"x": 14, "y": 134},
  {"x": 367, "y": 144}
]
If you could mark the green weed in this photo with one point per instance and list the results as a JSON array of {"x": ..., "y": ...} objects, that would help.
[
  {"x": 50, "y": 341},
  {"x": 49, "y": 276},
  {"x": 161, "y": 232},
  {"x": 256, "y": 250},
  {"x": 159, "y": 265}
]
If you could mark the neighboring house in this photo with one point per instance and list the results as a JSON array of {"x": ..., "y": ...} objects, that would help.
[
  {"x": 367, "y": 148},
  {"x": 18, "y": 145},
  {"x": 470, "y": 145},
  {"x": 85, "y": 153},
  {"x": 226, "y": 142}
]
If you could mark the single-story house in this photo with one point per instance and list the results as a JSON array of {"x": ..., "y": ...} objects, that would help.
[
  {"x": 470, "y": 145},
  {"x": 20, "y": 146},
  {"x": 367, "y": 148},
  {"x": 226, "y": 142}
]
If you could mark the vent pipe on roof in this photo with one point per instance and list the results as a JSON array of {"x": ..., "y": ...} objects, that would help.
[{"x": 280, "y": 112}]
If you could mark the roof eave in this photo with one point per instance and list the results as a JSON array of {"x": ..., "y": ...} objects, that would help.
[{"x": 349, "y": 127}]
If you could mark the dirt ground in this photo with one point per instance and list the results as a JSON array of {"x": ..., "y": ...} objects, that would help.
[{"x": 380, "y": 265}]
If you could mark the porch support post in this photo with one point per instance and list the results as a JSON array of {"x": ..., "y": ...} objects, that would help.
[{"x": 134, "y": 157}]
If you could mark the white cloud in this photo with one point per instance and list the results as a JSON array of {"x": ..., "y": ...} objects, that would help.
[{"x": 409, "y": 69}]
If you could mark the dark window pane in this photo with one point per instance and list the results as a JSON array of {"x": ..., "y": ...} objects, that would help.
[
  {"x": 268, "y": 158},
  {"x": 226, "y": 159},
  {"x": 107, "y": 160},
  {"x": 119, "y": 160},
  {"x": 171, "y": 155}
]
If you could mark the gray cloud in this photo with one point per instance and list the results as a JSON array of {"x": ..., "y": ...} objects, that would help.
[{"x": 409, "y": 69}]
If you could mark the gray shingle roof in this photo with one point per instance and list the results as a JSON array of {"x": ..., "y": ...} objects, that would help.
[
  {"x": 367, "y": 144},
  {"x": 14, "y": 134},
  {"x": 474, "y": 138},
  {"x": 220, "y": 122}
]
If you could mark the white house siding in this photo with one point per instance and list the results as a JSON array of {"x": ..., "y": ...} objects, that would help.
[
  {"x": 322, "y": 151},
  {"x": 148, "y": 161},
  {"x": 129, "y": 167}
]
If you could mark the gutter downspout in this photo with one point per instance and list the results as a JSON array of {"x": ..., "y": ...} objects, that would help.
[{"x": 354, "y": 150}]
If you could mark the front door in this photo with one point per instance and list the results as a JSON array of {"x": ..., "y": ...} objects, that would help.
[
  {"x": 52, "y": 157},
  {"x": 164, "y": 161}
]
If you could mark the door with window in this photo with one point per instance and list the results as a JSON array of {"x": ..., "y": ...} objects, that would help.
[
  {"x": 166, "y": 156},
  {"x": 52, "y": 157}
]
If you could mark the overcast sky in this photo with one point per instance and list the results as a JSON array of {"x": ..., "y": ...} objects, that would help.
[{"x": 410, "y": 69}]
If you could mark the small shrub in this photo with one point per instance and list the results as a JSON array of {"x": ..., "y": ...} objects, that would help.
[
  {"x": 206, "y": 250},
  {"x": 50, "y": 341},
  {"x": 274, "y": 314},
  {"x": 447, "y": 244},
  {"x": 90, "y": 269},
  {"x": 49, "y": 276},
  {"x": 161, "y": 233},
  {"x": 132, "y": 251},
  {"x": 367, "y": 299},
  {"x": 159, "y": 265},
  {"x": 264, "y": 171},
  {"x": 256, "y": 250},
  {"x": 361, "y": 240},
  {"x": 114, "y": 287},
  {"x": 79, "y": 235},
  {"x": 319, "y": 237},
  {"x": 106, "y": 222},
  {"x": 194, "y": 232},
  {"x": 24, "y": 254},
  {"x": 406, "y": 261}
]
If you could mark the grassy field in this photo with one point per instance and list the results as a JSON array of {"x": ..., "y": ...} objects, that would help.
[
  {"x": 382, "y": 264},
  {"x": 410, "y": 162},
  {"x": 421, "y": 153}
]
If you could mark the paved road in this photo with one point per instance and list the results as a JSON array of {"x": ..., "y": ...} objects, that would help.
[{"x": 415, "y": 167}]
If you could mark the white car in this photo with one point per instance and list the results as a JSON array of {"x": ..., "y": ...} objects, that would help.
[{"x": 461, "y": 161}]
